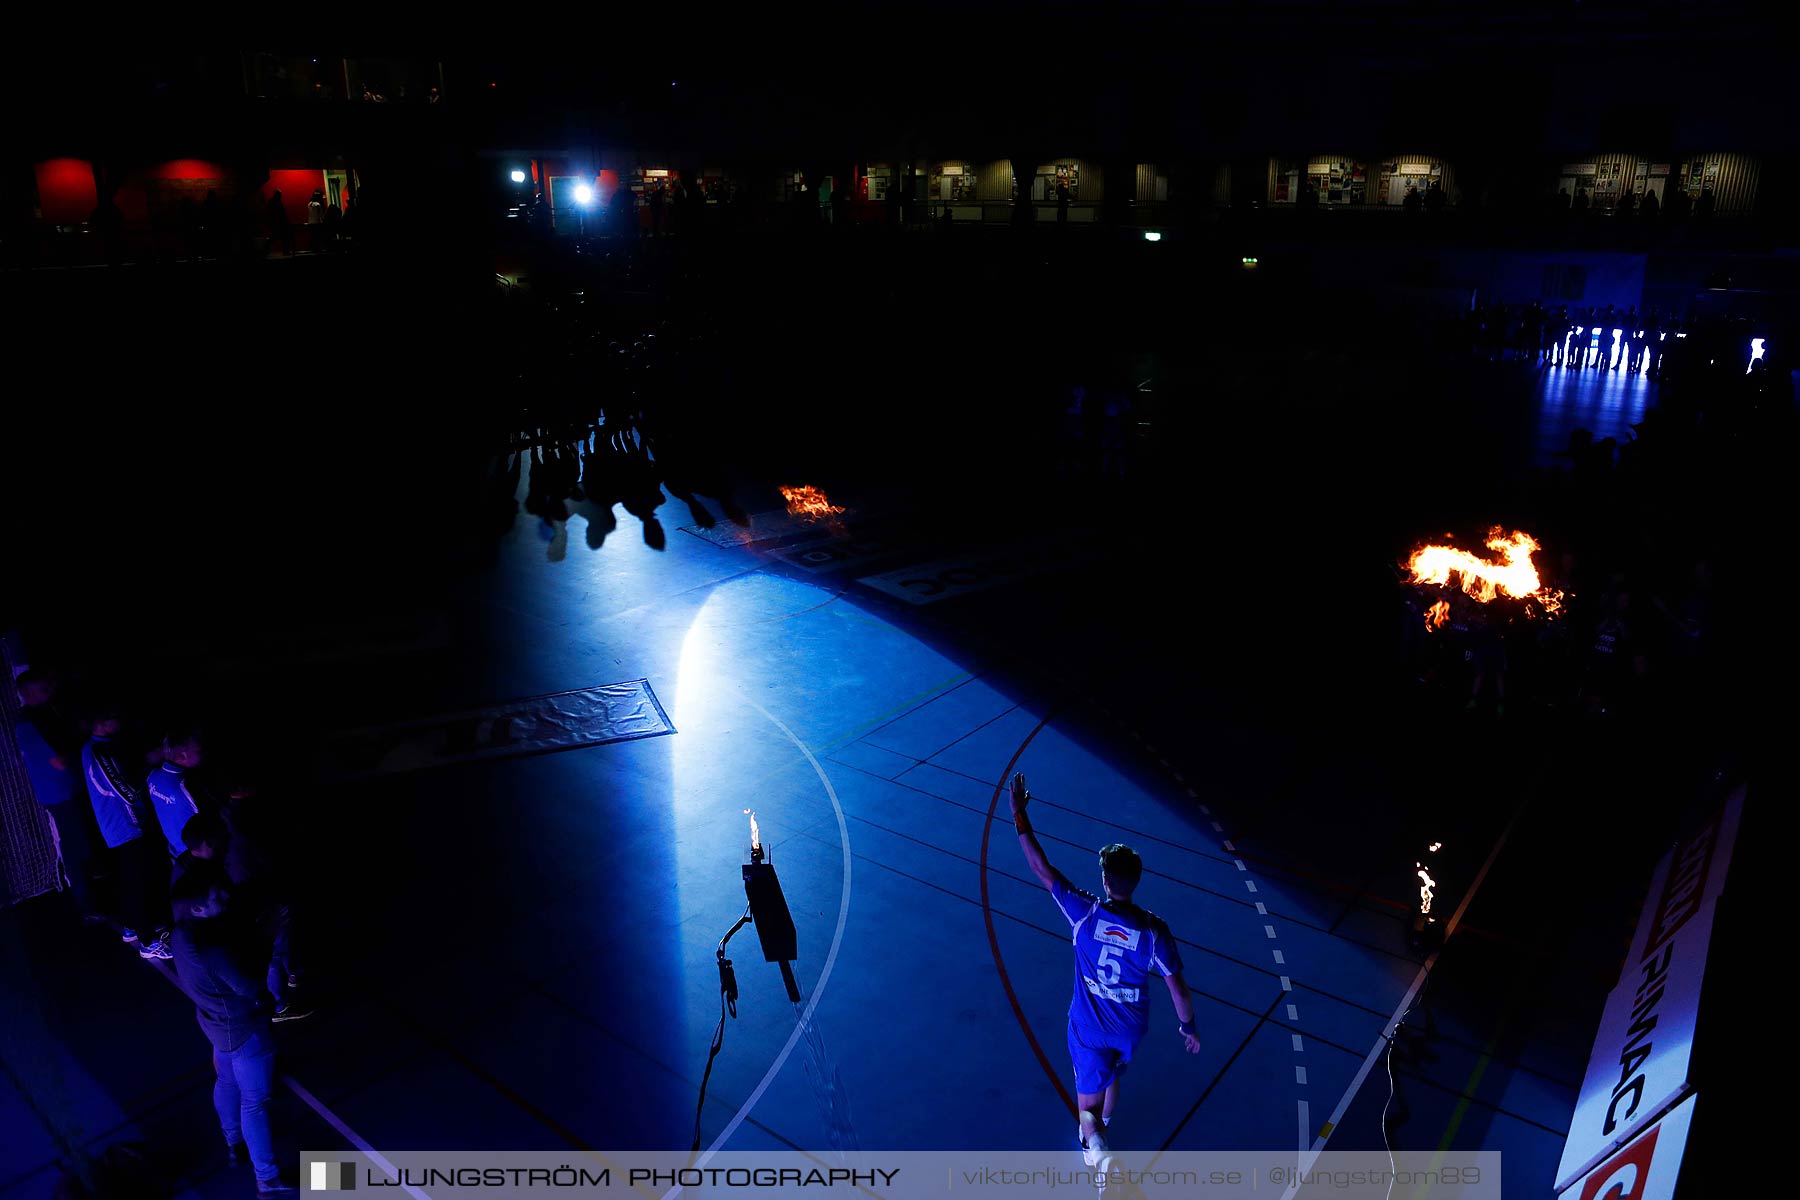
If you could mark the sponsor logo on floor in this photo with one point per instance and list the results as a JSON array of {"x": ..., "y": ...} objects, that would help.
[{"x": 613, "y": 712}]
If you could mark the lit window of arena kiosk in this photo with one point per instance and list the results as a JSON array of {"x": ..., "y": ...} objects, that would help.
[{"x": 954, "y": 186}]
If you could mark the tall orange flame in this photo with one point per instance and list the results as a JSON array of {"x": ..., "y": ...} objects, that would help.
[
  {"x": 808, "y": 502},
  {"x": 1438, "y": 615},
  {"x": 1514, "y": 575}
]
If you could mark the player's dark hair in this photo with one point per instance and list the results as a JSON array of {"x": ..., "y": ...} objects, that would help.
[
  {"x": 183, "y": 732},
  {"x": 205, "y": 829},
  {"x": 1121, "y": 866},
  {"x": 193, "y": 888},
  {"x": 103, "y": 707}
]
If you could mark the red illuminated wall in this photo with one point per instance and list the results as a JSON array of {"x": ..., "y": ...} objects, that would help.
[
  {"x": 296, "y": 189},
  {"x": 187, "y": 168},
  {"x": 66, "y": 193},
  {"x": 132, "y": 195}
]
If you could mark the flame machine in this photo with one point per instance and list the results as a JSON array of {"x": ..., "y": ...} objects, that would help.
[{"x": 768, "y": 910}]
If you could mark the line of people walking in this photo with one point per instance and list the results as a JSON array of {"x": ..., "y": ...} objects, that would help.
[{"x": 1591, "y": 338}]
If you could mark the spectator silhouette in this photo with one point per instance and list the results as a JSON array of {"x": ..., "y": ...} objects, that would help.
[
  {"x": 1627, "y": 205},
  {"x": 315, "y": 219},
  {"x": 109, "y": 223},
  {"x": 1062, "y": 202},
  {"x": 187, "y": 220},
  {"x": 657, "y": 200},
  {"x": 622, "y": 209},
  {"x": 1650, "y": 206},
  {"x": 1703, "y": 207},
  {"x": 1555, "y": 331},
  {"x": 280, "y": 228},
  {"x": 1435, "y": 198},
  {"x": 1412, "y": 202},
  {"x": 212, "y": 224},
  {"x": 1562, "y": 200},
  {"x": 1678, "y": 206},
  {"x": 1581, "y": 200},
  {"x": 215, "y": 963}
]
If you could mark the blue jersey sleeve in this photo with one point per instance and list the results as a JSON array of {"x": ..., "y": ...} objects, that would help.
[
  {"x": 1074, "y": 902},
  {"x": 1165, "y": 955}
]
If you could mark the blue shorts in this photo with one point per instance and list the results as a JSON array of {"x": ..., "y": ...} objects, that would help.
[{"x": 1099, "y": 1057}]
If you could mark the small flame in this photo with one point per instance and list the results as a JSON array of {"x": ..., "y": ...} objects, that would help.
[
  {"x": 755, "y": 832},
  {"x": 1513, "y": 576},
  {"x": 1427, "y": 888},
  {"x": 1435, "y": 847},
  {"x": 1438, "y": 615},
  {"x": 809, "y": 502}
]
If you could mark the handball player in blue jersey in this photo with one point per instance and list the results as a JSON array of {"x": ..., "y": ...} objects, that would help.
[{"x": 1118, "y": 947}]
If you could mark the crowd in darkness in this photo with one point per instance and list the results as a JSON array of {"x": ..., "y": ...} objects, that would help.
[{"x": 163, "y": 839}]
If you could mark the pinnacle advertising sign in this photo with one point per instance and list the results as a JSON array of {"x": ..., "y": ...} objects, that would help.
[
  {"x": 1647, "y": 1168},
  {"x": 1644, "y": 1049}
]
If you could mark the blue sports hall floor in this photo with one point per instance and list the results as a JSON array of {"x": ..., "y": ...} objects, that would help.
[{"x": 519, "y": 953}]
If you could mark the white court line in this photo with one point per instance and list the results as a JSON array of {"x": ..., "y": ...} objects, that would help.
[
  {"x": 1251, "y": 884},
  {"x": 1311, "y": 1156},
  {"x": 1305, "y": 1123},
  {"x": 1268, "y": 930},
  {"x": 1293, "y": 1012},
  {"x": 1287, "y": 985},
  {"x": 1299, "y": 1046},
  {"x": 350, "y": 1135},
  {"x": 1281, "y": 958},
  {"x": 818, "y": 989},
  {"x": 1262, "y": 910},
  {"x": 1300, "y": 1077}
]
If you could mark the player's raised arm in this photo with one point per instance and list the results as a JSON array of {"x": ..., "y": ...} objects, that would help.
[{"x": 1034, "y": 853}]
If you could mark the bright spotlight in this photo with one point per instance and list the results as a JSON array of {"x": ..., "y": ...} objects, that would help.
[
  {"x": 584, "y": 195},
  {"x": 518, "y": 177},
  {"x": 1150, "y": 235},
  {"x": 1756, "y": 352}
]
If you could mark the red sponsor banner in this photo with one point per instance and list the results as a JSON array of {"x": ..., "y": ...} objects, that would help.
[{"x": 1646, "y": 1168}]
